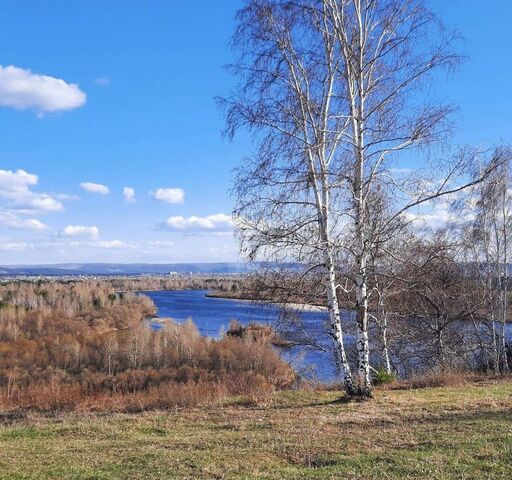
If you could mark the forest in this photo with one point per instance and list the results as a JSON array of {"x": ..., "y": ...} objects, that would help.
[
  {"x": 85, "y": 344},
  {"x": 67, "y": 344}
]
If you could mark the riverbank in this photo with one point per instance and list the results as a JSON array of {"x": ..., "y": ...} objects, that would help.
[
  {"x": 452, "y": 432},
  {"x": 307, "y": 307}
]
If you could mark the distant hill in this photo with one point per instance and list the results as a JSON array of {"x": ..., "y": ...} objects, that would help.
[{"x": 124, "y": 268}]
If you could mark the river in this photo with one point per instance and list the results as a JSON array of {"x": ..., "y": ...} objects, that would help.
[{"x": 212, "y": 317}]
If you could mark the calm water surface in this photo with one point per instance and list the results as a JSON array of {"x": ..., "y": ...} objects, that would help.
[{"x": 212, "y": 317}]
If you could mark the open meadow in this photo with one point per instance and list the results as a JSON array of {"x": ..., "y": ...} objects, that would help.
[{"x": 455, "y": 432}]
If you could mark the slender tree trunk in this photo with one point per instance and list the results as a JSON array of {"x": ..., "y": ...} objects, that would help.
[
  {"x": 361, "y": 284},
  {"x": 504, "y": 367},
  {"x": 357, "y": 96},
  {"x": 336, "y": 329},
  {"x": 490, "y": 303},
  {"x": 496, "y": 362},
  {"x": 504, "y": 357},
  {"x": 440, "y": 345},
  {"x": 363, "y": 351},
  {"x": 322, "y": 199},
  {"x": 504, "y": 286},
  {"x": 361, "y": 280},
  {"x": 385, "y": 350},
  {"x": 382, "y": 322}
]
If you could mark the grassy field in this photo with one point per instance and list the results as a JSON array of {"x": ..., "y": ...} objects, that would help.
[{"x": 462, "y": 432}]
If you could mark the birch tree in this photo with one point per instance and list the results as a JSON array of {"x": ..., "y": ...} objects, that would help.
[
  {"x": 332, "y": 93},
  {"x": 490, "y": 230}
]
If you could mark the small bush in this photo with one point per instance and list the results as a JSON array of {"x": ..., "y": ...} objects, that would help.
[{"x": 381, "y": 377}]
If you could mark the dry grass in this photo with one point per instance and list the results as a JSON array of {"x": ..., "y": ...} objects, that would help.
[
  {"x": 448, "y": 378},
  {"x": 54, "y": 397},
  {"x": 454, "y": 432}
]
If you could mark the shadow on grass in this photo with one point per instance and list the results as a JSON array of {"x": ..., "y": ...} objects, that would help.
[{"x": 344, "y": 400}]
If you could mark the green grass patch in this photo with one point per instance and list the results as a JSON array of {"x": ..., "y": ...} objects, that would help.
[
  {"x": 443, "y": 433},
  {"x": 25, "y": 433}
]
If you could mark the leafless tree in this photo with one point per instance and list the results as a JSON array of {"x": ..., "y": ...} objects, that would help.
[
  {"x": 491, "y": 208},
  {"x": 331, "y": 92}
]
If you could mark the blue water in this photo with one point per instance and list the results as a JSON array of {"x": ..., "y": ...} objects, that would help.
[{"x": 212, "y": 317}]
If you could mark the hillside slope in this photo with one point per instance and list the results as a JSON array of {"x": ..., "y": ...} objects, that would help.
[{"x": 443, "y": 433}]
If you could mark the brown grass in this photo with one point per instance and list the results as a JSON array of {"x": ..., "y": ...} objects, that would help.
[
  {"x": 448, "y": 378},
  {"x": 446, "y": 433},
  {"x": 250, "y": 388}
]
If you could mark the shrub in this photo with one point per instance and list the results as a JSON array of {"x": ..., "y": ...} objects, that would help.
[{"x": 381, "y": 377}]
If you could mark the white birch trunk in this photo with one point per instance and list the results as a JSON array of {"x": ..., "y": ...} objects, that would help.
[
  {"x": 385, "y": 351},
  {"x": 504, "y": 286},
  {"x": 382, "y": 321},
  {"x": 336, "y": 329},
  {"x": 363, "y": 350},
  {"x": 357, "y": 94}
]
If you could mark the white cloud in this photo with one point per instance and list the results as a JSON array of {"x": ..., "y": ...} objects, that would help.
[
  {"x": 203, "y": 247},
  {"x": 129, "y": 194},
  {"x": 13, "y": 183},
  {"x": 95, "y": 188},
  {"x": 169, "y": 195},
  {"x": 14, "y": 246},
  {"x": 38, "y": 202},
  {"x": 68, "y": 245},
  {"x": 15, "y": 186},
  {"x": 65, "y": 196},
  {"x": 11, "y": 220},
  {"x": 30, "y": 224},
  {"x": 102, "y": 81},
  {"x": 438, "y": 214},
  {"x": 22, "y": 89},
  {"x": 211, "y": 223},
  {"x": 80, "y": 231},
  {"x": 113, "y": 244},
  {"x": 160, "y": 243}
]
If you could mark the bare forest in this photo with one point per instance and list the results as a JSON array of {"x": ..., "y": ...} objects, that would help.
[{"x": 85, "y": 344}]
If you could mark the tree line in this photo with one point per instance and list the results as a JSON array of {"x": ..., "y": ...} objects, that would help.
[{"x": 87, "y": 344}]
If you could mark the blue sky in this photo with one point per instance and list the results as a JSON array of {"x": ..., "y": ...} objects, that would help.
[{"x": 134, "y": 107}]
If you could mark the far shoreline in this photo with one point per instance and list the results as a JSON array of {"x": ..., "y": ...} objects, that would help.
[{"x": 307, "y": 307}]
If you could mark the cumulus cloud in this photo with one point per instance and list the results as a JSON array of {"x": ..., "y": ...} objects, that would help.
[
  {"x": 80, "y": 231},
  {"x": 438, "y": 214},
  {"x": 12, "y": 183},
  {"x": 38, "y": 202},
  {"x": 15, "y": 186},
  {"x": 169, "y": 195},
  {"x": 86, "y": 237},
  {"x": 11, "y": 220},
  {"x": 95, "y": 188},
  {"x": 212, "y": 223},
  {"x": 22, "y": 89},
  {"x": 28, "y": 224},
  {"x": 129, "y": 194}
]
